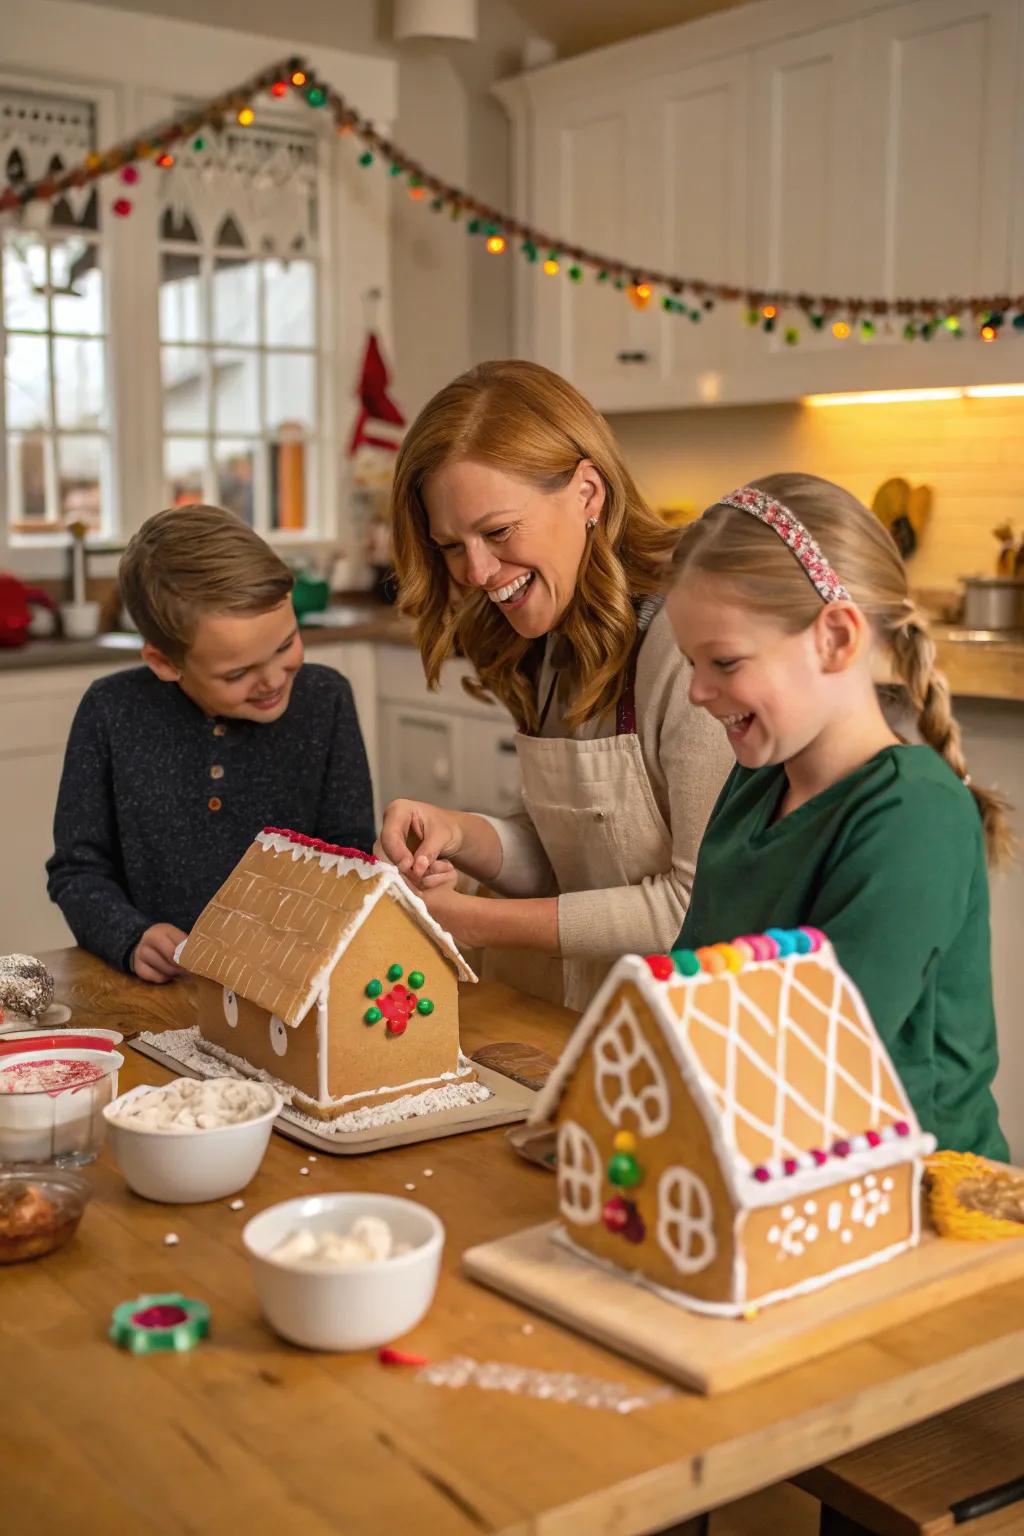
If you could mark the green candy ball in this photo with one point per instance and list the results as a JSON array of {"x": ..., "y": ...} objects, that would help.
[
  {"x": 416, "y": 979},
  {"x": 424, "y": 1005},
  {"x": 374, "y": 988},
  {"x": 685, "y": 962},
  {"x": 372, "y": 1016},
  {"x": 624, "y": 1170},
  {"x": 394, "y": 972}
]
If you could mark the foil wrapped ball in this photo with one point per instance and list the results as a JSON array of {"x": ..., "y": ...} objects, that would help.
[{"x": 26, "y": 986}]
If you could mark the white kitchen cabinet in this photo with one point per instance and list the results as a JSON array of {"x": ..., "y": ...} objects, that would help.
[
  {"x": 356, "y": 660},
  {"x": 36, "y": 711},
  {"x": 445, "y": 747},
  {"x": 877, "y": 150}
]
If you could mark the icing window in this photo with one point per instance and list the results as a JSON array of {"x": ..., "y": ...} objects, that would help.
[
  {"x": 579, "y": 1174},
  {"x": 685, "y": 1220},
  {"x": 628, "y": 1079},
  {"x": 278, "y": 1034},
  {"x": 230, "y": 1002}
]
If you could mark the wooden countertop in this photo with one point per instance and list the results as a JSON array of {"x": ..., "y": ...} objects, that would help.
[
  {"x": 248, "y": 1433},
  {"x": 373, "y": 621},
  {"x": 982, "y": 668}
]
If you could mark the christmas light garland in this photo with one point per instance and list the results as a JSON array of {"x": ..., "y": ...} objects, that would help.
[{"x": 692, "y": 298}]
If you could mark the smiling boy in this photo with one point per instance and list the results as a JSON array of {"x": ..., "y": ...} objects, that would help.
[{"x": 172, "y": 768}]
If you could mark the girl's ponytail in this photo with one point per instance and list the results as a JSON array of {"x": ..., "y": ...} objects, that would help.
[{"x": 913, "y": 651}]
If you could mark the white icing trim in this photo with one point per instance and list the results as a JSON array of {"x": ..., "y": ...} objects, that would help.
[
  {"x": 187, "y": 1047},
  {"x": 746, "y": 1191},
  {"x": 579, "y": 1173},
  {"x": 679, "y": 1191},
  {"x": 321, "y": 1045},
  {"x": 738, "y": 1307}
]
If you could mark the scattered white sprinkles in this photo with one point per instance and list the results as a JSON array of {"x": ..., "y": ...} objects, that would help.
[
  {"x": 304, "y": 1172},
  {"x": 238, "y": 1205},
  {"x": 428, "y": 1173},
  {"x": 410, "y": 1186},
  {"x": 171, "y": 1240}
]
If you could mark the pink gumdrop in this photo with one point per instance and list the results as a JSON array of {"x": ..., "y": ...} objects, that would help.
[
  {"x": 745, "y": 949},
  {"x": 816, "y": 937}
]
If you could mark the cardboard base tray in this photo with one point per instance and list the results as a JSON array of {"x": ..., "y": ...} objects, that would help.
[
  {"x": 509, "y": 1102},
  {"x": 711, "y": 1354}
]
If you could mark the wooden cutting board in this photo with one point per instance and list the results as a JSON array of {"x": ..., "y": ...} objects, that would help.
[{"x": 716, "y": 1354}]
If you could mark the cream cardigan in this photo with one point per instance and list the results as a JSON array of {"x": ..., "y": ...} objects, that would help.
[{"x": 687, "y": 758}]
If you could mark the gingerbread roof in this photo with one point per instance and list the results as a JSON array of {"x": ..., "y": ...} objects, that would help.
[
  {"x": 780, "y": 1056},
  {"x": 277, "y": 927}
]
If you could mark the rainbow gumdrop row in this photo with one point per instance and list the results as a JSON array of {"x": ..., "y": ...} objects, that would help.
[{"x": 715, "y": 959}]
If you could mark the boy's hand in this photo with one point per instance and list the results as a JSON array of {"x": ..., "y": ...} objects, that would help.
[
  {"x": 416, "y": 836},
  {"x": 153, "y": 955}
]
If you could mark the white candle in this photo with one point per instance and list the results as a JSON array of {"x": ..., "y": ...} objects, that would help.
[{"x": 78, "y": 568}]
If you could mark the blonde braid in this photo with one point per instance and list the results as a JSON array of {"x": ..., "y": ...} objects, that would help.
[{"x": 913, "y": 651}]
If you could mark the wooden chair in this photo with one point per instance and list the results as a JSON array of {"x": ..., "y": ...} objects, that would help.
[{"x": 932, "y": 1478}]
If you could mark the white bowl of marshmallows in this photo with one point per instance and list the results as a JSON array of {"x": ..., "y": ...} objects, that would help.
[
  {"x": 345, "y": 1271},
  {"x": 193, "y": 1139}
]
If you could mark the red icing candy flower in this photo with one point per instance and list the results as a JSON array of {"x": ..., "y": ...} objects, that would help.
[{"x": 398, "y": 1008}]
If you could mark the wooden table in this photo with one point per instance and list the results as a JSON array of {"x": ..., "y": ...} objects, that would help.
[{"x": 247, "y": 1434}]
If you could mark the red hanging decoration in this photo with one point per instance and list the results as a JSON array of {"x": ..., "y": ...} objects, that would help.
[{"x": 378, "y": 410}]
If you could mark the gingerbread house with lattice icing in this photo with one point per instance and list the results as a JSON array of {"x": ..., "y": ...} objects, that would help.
[
  {"x": 730, "y": 1127},
  {"x": 318, "y": 967}
]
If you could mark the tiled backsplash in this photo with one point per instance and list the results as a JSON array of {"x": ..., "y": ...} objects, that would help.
[{"x": 970, "y": 451}]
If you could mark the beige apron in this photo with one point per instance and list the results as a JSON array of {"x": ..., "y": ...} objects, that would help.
[{"x": 593, "y": 809}]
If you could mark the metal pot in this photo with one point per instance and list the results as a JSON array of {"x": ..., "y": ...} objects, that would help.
[{"x": 993, "y": 602}]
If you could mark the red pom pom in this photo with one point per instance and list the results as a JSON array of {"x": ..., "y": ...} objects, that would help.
[
  {"x": 873, "y": 1138},
  {"x": 661, "y": 966},
  {"x": 129, "y": 175},
  {"x": 122, "y": 207}
]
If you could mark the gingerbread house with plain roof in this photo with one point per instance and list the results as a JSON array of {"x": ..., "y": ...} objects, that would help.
[
  {"x": 734, "y": 1136},
  {"x": 318, "y": 966}
]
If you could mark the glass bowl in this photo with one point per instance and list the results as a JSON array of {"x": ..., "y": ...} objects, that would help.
[
  {"x": 40, "y": 1208},
  {"x": 52, "y": 1101}
]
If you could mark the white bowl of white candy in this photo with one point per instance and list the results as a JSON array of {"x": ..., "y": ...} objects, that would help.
[
  {"x": 194, "y": 1139},
  {"x": 345, "y": 1271}
]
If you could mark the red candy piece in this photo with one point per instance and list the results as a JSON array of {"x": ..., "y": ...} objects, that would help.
[
  {"x": 661, "y": 966},
  {"x": 316, "y": 842},
  {"x": 841, "y": 1148},
  {"x": 160, "y": 1317},
  {"x": 389, "y": 1356},
  {"x": 873, "y": 1138},
  {"x": 762, "y": 1175},
  {"x": 634, "y": 1231},
  {"x": 398, "y": 1007},
  {"x": 790, "y": 1165},
  {"x": 616, "y": 1214},
  {"x": 819, "y": 1156},
  {"x": 901, "y": 1128}
]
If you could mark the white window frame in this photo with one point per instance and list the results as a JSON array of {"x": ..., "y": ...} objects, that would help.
[
  {"x": 48, "y": 47},
  {"x": 321, "y": 440}
]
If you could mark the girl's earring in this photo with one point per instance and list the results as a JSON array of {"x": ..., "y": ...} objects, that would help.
[{"x": 591, "y": 524}]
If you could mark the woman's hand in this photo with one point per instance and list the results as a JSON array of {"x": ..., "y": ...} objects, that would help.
[{"x": 415, "y": 836}]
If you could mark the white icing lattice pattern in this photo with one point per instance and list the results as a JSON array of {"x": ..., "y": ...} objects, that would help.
[
  {"x": 579, "y": 1174},
  {"x": 754, "y": 1050},
  {"x": 628, "y": 1078}
]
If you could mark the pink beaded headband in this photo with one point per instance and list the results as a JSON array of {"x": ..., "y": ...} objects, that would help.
[{"x": 792, "y": 532}]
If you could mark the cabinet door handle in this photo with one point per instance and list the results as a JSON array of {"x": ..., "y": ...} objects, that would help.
[
  {"x": 442, "y": 773},
  {"x": 632, "y": 357}
]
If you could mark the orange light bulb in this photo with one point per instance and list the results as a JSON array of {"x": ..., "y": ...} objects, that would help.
[
  {"x": 841, "y": 330},
  {"x": 769, "y": 311},
  {"x": 551, "y": 267},
  {"x": 246, "y": 116},
  {"x": 496, "y": 244},
  {"x": 299, "y": 77},
  {"x": 988, "y": 333}
]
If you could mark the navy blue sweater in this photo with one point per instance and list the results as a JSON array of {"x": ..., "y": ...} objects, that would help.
[{"x": 147, "y": 825}]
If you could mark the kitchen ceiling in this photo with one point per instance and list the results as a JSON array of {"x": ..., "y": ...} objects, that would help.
[{"x": 574, "y": 26}]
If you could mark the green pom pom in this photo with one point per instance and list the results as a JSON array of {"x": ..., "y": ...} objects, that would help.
[
  {"x": 394, "y": 973},
  {"x": 374, "y": 988},
  {"x": 416, "y": 980},
  {"x": 365, "y": 158},
  {"x": 576, "y": 274},
  {"x": 685, "y": 962},
  {"x": 372, "y": 1016},
  {"x": 424, "y": 1005},
  {"x": 624, "y": 1170}
]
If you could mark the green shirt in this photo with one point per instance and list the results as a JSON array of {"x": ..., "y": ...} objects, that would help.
[{"x": 890, "y": 864}]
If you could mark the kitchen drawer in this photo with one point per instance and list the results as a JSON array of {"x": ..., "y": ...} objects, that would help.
[
  {"x": 37, "y": 708},
  {"x": 491, "y": 768},
  {"x": 420, "y": 753},
  {"x": 400, "y": 680}
]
